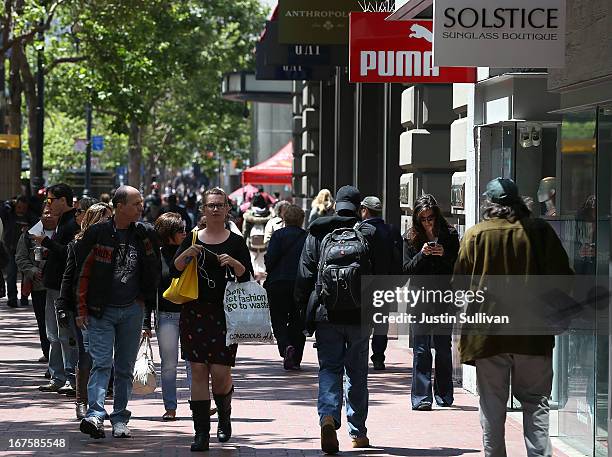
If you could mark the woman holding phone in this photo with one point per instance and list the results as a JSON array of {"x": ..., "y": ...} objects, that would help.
[
  {"x": 221, "y": 255},
  {"x": 431, "y": 249}
]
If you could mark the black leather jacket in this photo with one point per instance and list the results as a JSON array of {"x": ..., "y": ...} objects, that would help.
[{"x": 96, "y": 257}]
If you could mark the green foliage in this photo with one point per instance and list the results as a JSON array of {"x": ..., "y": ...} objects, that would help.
[{"x": 158, "y": 63}]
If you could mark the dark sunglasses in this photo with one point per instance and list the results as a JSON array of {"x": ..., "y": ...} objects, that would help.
[
  {"x": 427, "y": 219},
  {"x": 213, "y": 206}
]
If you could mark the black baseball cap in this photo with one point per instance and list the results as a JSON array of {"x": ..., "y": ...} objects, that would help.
[
  {"x": 348, "y": 198},
  {"x": 503, "y": 191}
]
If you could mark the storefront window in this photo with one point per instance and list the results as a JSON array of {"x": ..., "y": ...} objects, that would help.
[{"x": 577, "y": 353}]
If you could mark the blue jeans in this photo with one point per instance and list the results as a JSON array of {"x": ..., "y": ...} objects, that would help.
[
  {"x": 343, "y": 352},
  {"x": 168, "y": 340},
  {"x": 63, "y": 350},
  {"x": 421, "y": 370},
  {"x": 118, "y": 328}
]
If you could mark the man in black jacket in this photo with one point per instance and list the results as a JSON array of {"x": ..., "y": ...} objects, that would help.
[
  {"x": 387, "y": 252},
  {"x": 17, "y": 218},
  {"x": 63, "y": 352},
  {"x": 119, "y": 269},
  {"x": 342, "y": 340}
]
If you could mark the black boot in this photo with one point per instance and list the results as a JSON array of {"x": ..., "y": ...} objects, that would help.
[
  {"x": 224, "y": 412},
  {"x": 200, "y": 410},
  {"x": 81, "y": 404}
]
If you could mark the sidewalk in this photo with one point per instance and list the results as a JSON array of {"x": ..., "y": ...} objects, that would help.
[{"x": 274, "y": 412}]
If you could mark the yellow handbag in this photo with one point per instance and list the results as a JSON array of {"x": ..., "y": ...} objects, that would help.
[{"x": 185, "y": 288}]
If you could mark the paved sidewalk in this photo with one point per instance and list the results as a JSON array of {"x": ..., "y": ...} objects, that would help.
[{"x": 274, "y": 412}]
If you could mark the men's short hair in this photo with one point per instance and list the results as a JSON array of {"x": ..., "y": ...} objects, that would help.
[
  {"x": 22, "y": 199},
  {"x": 120, "y": 196},
  {"x": 293, "y": 216},
  {"x": 62, "y": 190}
]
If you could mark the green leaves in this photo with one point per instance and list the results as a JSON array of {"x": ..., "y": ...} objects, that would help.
[{"x": 159, "y": 63}]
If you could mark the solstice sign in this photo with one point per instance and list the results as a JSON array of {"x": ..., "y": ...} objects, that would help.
[
  {"x": 499, "y": 33},
  {"x": 384, "y": 51}
]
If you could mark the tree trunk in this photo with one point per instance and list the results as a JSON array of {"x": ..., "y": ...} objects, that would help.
[
  {"x": 151, "y": 170},
  {"x": 135, "y": 155},
  {"x": 31, "y": 97},
  {"x": 10, "y": 173}
]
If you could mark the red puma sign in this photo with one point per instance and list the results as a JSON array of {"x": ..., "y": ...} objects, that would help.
[{"x": 397, "y": 52}]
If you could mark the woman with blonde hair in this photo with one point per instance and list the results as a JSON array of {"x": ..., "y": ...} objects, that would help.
[
  {"x": 65, "y": 304},
  {"x": 322, "y": 205}
]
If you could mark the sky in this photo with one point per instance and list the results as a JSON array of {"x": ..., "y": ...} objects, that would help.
[{"x": 270, "y": 3}]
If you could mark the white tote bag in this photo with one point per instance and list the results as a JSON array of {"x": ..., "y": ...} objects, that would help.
[
  {"x": 145, "y": 380},
  {"x": 247, "y": 313}
]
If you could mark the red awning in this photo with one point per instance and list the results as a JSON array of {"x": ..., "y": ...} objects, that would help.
[{"x": 274, "y": 170}]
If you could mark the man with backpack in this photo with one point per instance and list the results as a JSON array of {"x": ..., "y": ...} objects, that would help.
[{"x": 328, "y": 287}]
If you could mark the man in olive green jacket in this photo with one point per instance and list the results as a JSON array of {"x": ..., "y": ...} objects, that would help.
[{"x": 508, "y": 242}]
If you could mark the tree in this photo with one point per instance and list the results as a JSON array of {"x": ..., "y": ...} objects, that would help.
[{"x": 154, "y": 67}]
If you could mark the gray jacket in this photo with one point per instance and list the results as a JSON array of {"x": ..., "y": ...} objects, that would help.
[{"x": 24, "y": 258}]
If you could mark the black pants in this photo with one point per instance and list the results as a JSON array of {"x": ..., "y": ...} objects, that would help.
[
  {"x": 39, "y": 303},
  {"x": 286, "y": 322},
  {"x": 379, "y": 342}
]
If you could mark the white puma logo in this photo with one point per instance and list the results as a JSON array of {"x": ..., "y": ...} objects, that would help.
[{"x": 418, "y": 31}]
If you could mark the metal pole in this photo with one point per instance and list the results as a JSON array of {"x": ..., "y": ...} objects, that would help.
[{"x": 88, "y": 113}]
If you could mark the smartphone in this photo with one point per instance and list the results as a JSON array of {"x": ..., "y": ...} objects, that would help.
[{"x": 432, "y": 244}]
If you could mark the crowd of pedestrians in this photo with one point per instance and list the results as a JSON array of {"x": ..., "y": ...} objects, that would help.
[{"x": 97, "y": 271}]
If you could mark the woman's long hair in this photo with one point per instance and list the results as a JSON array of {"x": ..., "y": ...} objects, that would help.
[
  {"x": 323, "y": 201},
  {"x": 416, "y": 234},
  {"x": 93, "y": 215}
]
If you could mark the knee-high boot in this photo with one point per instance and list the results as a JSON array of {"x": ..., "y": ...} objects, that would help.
[
  {"x": 200, "y": 411},
  {"x": 224, "y": 412},
  {"x": 81, "y": 403}
]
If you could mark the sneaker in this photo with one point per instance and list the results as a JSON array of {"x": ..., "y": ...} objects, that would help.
[
  {"x": 423, "y": 406},
  {"x": 378, "y": 364},
  {"x": 93, "y": 426},
  {"x": 361, "y": 442},
  {"x": 51, "y": 387},
  {"x": 43, "y": 359},
  {"x": 121, "y": 430},
  {"x": 67, "y": 389},
  {"x": 288, "y": 362},
  {"x": 329, "y": 440}
]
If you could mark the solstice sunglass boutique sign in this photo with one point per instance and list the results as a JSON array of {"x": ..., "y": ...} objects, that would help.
[{"x": 499, "y": 33}]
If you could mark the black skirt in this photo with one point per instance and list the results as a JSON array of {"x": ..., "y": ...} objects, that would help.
[{"x": 203, "y": 330}]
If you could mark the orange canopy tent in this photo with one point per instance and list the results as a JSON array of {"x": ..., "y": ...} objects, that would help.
[{"x": 274, "y": 170}]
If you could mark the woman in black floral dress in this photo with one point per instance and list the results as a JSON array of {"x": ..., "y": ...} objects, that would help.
[{"x": 220, "y": 255}]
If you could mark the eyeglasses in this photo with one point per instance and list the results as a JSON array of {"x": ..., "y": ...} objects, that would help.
[
  {"x": 49, "y": 200},
  {"x": 427, "y": 219},
  {"x": 213, "y": 206}
]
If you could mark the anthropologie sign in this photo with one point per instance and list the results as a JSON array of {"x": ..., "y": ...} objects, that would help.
[
  {"x": 499, "y": 33},
  {"x": 321, "y": 21},
  {"x": 384, "y": 51}
]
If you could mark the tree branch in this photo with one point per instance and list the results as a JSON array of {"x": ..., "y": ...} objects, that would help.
[
  {"x": 27, "y": 37},
  {"x": 62, "y": 60}
]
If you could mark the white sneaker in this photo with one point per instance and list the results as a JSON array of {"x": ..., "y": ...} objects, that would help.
[{"x": 121, "y": 430}]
